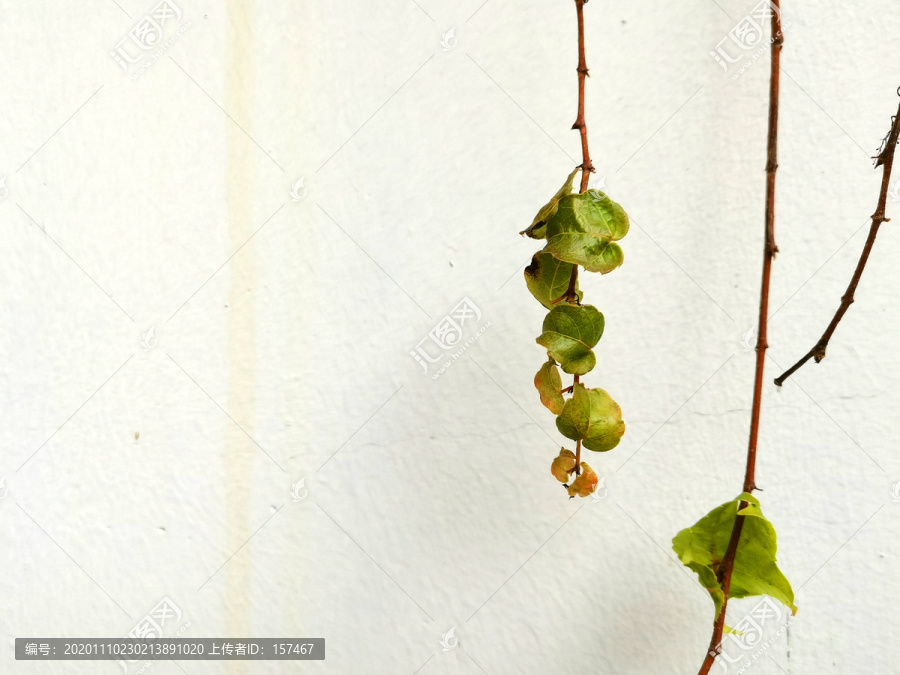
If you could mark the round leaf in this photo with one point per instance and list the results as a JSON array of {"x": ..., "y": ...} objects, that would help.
[
  {"x": 570, "y": 332},
  {"x": 592, "y": 417},
  {"x": 548, "y": 278},
  {"x": 583, "y": 229}
]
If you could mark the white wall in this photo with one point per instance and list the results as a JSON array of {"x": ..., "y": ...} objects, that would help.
[{"x": 284, "y": 328}]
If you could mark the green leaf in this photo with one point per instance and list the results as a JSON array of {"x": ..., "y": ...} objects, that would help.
[
  {"x": 702, "y": 548},
  {"x": 752, "y": 508},
  {"x": 570, "y": 332},
  {"x": 548, "y": 279},
  {"x": 583, "y": 229},
  {"x": 592, "y": 417},
  {"x": 549, "y": 384},
  {"x": 538, "y": 227}
]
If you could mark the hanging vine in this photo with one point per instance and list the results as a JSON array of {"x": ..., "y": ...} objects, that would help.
[
  {"x": 580, "y": 230},
  {"x": 732, "y": 549}
]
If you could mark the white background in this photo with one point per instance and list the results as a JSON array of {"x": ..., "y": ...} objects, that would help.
[{"x": 282, "y": 331}]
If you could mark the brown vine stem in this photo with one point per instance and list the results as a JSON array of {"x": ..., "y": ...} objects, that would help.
[
  {"x": 586, "y": 169},
  {"x": 586, "y": 166},
  {"x": 886, "y": 159},
  {"x": 726, "y": 567},
  {"x": 578, "y": 458}
]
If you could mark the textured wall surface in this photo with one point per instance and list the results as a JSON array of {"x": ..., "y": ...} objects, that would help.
[{"x": 218, "y": 258}]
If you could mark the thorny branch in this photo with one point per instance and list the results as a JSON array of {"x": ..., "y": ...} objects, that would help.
[
  {"x": 587, "y": 167},
  {"x": 770, "y": 249},
  {"x": 885, "y": 159}
]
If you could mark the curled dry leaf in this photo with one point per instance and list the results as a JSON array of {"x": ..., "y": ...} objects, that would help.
[
  {"x": 585, "y": 483},
  {"x": 563, "y": 465},
  {"x": 538, "y": 227},
  {"x": 549, "y": 384}
]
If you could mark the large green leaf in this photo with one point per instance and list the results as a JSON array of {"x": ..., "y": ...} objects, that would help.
[
  {"x": 702, "y": 548},
  {"x": 570, "y": 332},
  {"x": 583, "y": 230},
  {"x": 538, "y": 227},
  {"x": 592, "y": 417},
  {"x": 548, "y": 278},
  {"x": 549, "y": 384}
]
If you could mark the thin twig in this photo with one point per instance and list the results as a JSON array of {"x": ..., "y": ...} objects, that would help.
[
  {"x": 578, "y": 457},
  {"x": 586, "y": 166},
  {"x": 571, "y": 294},
  {"x": 885, "y": 158},
  {"x": 770, "y": 249}
]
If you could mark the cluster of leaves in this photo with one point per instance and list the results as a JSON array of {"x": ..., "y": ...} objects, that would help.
[
  {"x": 703, "y": 548},
  {"x": 580, "y": 230}
]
